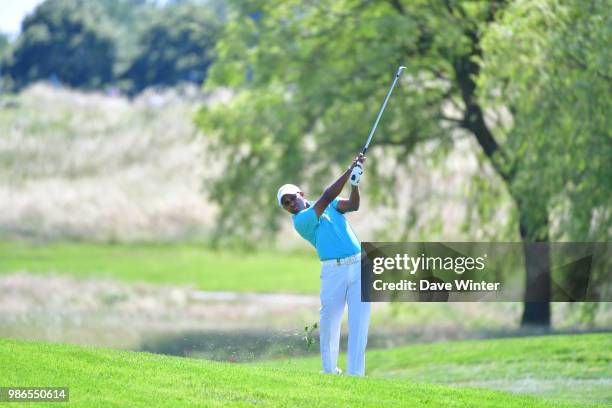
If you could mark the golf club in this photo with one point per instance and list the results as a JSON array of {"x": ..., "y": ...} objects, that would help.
[
  {"x": 382, "y": 109},
  {"x": 358, "y": 169}
]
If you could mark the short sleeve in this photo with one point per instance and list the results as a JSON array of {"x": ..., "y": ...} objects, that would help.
[{"x": 306, "y": 221}]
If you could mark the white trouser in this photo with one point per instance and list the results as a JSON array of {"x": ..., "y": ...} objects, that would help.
[{"x": 341, "y": 284}]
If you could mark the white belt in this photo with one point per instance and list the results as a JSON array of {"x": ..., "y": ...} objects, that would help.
[{"x": 343, "y": 261}]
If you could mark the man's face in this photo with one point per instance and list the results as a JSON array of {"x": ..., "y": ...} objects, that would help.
[{"x": 294, "y": 203}]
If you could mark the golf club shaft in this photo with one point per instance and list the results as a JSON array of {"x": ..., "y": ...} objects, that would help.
[{"x": 382, "y": 109}]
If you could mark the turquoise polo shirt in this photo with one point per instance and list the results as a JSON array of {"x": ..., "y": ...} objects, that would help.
[{"x": 331, "y": 234}]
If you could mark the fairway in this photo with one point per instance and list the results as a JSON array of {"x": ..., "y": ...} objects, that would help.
[
  {"x": 558, "y": 367},
  {"x": 103, "y": 377},
  {"x": 168, "y": 264}
]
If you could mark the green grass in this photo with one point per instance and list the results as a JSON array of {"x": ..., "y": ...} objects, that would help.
[
  {"x": 168, "y": 264},
  {"x": 106, "y": 378},
  {"x": 574, "y": 368}
]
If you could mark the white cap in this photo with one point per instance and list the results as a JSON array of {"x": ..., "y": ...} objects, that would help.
[{"x": 286, "y": 189}]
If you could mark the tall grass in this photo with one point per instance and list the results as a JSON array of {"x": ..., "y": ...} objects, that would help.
[{"x": 96, "y": 167}]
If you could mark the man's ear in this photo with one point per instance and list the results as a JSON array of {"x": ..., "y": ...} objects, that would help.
[{"x": 301, "y": 193}]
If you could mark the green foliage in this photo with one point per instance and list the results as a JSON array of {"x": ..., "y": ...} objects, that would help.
[
  {"x": 177, "y": 46},
  {"x": 548, "y": 61},
  {"x": 256, "y": 162},
  {"x": 309, "y": 80},
  {"x": 4, "y": 45},
  {"x": 4, "y": 48},
  {"x": 128, "y": 19},
  {"x": 309, "y": 338},
  {"x": 61, "y": 39},
  {"x": 128, "y": 43},
  {"x": 124, "y": 13}
]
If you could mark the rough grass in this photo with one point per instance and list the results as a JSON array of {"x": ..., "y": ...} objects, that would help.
[
  {"x": 89, "y": 166},
  {"x": 108, "y": 378}
]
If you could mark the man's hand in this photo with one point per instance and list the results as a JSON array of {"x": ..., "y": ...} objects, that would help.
[
  {"x": 357, "y": 160},
  {"x": 357, "y": 169},
  {"x": 352, "y": 204}
]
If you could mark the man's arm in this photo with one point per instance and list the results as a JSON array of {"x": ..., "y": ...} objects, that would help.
[
  {"x": 334, "y": 189},
  {"x": 352, "y": 204}
]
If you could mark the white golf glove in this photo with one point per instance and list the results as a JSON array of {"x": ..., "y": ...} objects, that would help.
[{"x": 356, "y": 174}]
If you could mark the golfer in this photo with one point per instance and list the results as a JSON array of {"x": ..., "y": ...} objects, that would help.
[{"x": 324, "y": 225}]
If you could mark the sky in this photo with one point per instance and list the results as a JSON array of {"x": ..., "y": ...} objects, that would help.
[{"x": 12, "y": 12}]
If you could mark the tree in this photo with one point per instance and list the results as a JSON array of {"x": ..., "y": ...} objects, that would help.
[
  {"x": 63, "y": 39},
  {"x": 558, "y": 90},
  {"x": 4, "y": 44},
  {"x": 308, "y": 78},
  {"x": 177, "y": 47},
  {"x": 559, "y": 93},
  {"x": 4, "y": 47},
  {"x": 128, "y": 19}
]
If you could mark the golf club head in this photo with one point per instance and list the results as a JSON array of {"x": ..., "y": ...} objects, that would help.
[{"x": 399, "y": 70}]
